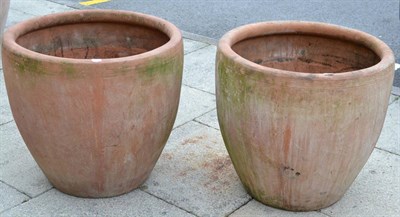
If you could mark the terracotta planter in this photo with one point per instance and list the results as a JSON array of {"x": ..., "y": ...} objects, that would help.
[
  {"x": 94, "y": 95},
  {"x": 301, "y": 106}
]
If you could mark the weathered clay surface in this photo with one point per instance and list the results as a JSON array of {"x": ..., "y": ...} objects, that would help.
[
  {"x": 301, "y": 106},
  {"x": 95, "y": 124}
]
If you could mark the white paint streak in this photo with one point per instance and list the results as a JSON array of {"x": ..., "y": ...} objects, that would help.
[
  {"x": 396, "y": 66},
  {"x": 96, "y": 60}
]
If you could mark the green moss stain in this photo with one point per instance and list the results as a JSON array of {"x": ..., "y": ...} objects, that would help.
[
  {"x": 69, "y": 69},
  {"x": 236, "y": 85},
  {"x": 158, "y": 66},
  {"x": 238, "y": 89},
  {"x": 162, "y": 67},
  {"x": 26, "y": 65}
]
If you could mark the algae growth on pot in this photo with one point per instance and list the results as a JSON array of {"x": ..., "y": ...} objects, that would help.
[
  {"x": 95, "y": 109},
  {"x": 300, "y": 107}
]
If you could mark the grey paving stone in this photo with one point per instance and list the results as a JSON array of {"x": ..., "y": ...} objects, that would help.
[
  {"x": 17, "y": 166},
  {"x": 254, "y": 208},
  {"x": 15, "y": 17},
  {"x": 55, "y": 203},
  {"x": 390, "y": 136},
  {"x": 37, "y": 7},
  {"x": 209, "y": 119},
  {"x": 193, "y": 103},
  {"x": 195, "y": 173},
  {"x": 10, "y": 197},
  {"x": 199, "y": 69},
  {"x": 190, "y": 45},
  {"x": 393, "y": 98},
  {"x": 375, "y": 192},
  {"x": 5, "y": 110}
]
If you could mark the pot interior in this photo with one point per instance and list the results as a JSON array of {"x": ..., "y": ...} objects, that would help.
[
  {"x": 306, "y": 53},
  {"x": 93, "y": 40}
]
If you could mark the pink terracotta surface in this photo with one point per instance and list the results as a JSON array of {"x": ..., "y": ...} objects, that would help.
[
  {"x": 301, "y": 106},
  {"x": 94, "y": 95}
]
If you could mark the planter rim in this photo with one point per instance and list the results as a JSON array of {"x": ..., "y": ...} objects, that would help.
[
  {"x": 306, "y": 28},
  {"x": 91, "y": 16}
]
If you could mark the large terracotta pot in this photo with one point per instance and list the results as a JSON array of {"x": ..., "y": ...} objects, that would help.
[
  {"x": 94, "y": 95},
  {"x": 301, "y": 106}
]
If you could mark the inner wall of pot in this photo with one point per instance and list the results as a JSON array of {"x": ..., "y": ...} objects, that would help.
[
  {"x": 306, "y": 53},
  {"x": 93, "y": 40}
]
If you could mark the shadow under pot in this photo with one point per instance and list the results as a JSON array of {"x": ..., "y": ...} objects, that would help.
[
  {"x": 94, "y": 95},
  {"x": 301, "y": 106}
]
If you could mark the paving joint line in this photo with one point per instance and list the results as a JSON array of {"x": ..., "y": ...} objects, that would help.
[
  {"x": 198, "y": 89},
  {"x": 207, "y": 45},
  {"x": 244, "y": 204},
  {"x": 24, "y": 201},
  {"x": 13, "y": 207},
  {"x": 6, "y": 27},
  {"x": 167, "y": 202},
  {"x": 6, "y": 122},
  {"x": 205, "y": 124},
  {"x": 180, "y": 125},
  {"x": 45, "y": 192},
  {"x": 390, "y": 152},
  {"x": 16, "y": 189},
  {"x": 30, "y": 198},
  {"x": 320, "y": 211},
  {"x": 190, "y": 121},
  {"x": 193, "y": 119},
  {"x": 395, "y": 99}
]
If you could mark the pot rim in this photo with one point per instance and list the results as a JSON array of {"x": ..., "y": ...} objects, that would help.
[
  {"x": 307, "y": 28},
  {"x": 91, "y": 16}
]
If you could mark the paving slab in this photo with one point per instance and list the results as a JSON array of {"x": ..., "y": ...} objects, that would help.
[
  {"x": 209, "y": 119},
  {"x": 55, "y": 203},
  {"x": 255, "y": 208},
  {"x": 17, "y": 166},
  {"x": 5, "y": 110},
  {"x": 376, "y": 190},
  {"x": 15, "y": 17},
  {"x": 38, "y": 7},
  {"x": 9, "y": 197},
  {"x": 390, "y": 136},
  {"x": 191, "y": 46},
  {"x": 199, "y": 69},
  {"x": 195, "y": 173},
  {"x": 193, "y": 103},
  {"x": 393, "y": 98}
]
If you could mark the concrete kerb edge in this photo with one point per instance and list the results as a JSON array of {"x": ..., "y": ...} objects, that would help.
[{"x": 199, "y": 38}]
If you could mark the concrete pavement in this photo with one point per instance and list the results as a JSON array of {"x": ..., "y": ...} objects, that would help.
[{"x": 194, "y": 175}]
